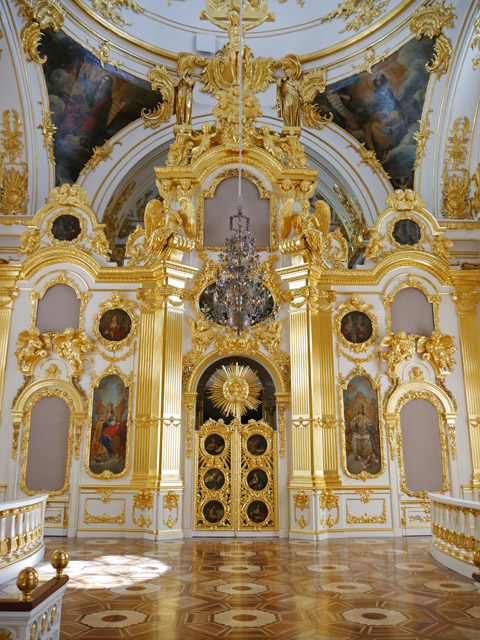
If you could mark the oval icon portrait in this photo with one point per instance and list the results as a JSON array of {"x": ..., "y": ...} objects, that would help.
[
  {"x": 213, "y": 511},
  {"x": 115, "y": 325},
  {"x": 214, "y": 444},
  {"x": 213, "y": 479},
  {"x": 257, "y": 511},
  {"x": 257, "y": 479},
  {"x": 66, "y": 228},
  {"x": 406, "y": 232},
  {"x": 356, "y": 327},
  {"x": 256, "y": 444}
]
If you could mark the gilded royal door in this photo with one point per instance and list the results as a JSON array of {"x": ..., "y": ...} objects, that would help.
[{"x": 236, "y": 484}]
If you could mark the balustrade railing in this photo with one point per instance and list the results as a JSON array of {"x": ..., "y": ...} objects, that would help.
[
  {"x": 455, "y": 532},
  {"x": 21, "y": 534}
]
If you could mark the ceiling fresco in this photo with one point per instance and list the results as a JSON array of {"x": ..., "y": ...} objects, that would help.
[{"x": 89, "y": 104}]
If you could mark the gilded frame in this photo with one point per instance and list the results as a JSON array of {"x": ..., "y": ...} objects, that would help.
[
  {"x": 376, "y": 386},
  {"x": 412, "y": 283},
  {"x": 210, "y": 193},
  {"x": 62, "y": 278},
  {"x": 66, "y": 243},
  {"x": 117, "y": 301},
  {"x": 127, "y": 380},
  {"x": 48, "y": 392},
  {"x": 406, "y": 247},
  {"x": 442, "y": 422},
  {"x": 345, "y": 308}
]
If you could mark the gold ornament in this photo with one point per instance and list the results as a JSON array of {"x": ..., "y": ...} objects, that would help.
[
  {"x": 110, "y": 10},
  {"x": 431, "y": 22},
  {"x": 235, "y": 389},
  {"x": 438, "y": 350},
  {"x": 402, "y": 347},
  {"x": 364, "y": 13}
]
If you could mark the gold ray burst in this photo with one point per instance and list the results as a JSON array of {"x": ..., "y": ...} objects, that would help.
[{"x": 235, "y": 389}]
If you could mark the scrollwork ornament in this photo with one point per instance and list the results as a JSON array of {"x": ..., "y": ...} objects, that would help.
[
  {"x": 171, "y": 503},
  {"x": 405, "y": 200},
  {"x": 431, "y": 21},
  {"x": 375, "y": 247},
  {"x": 329, "y": 501},
  {"x": 32, "y": 346},
  {"x": 301, "y": 502},
  {"x": 438, "y": 349},
  {"x": 466, "y": 301},
  {"x": 401, "y": 348},
  {"x": 72, "y": 344}
]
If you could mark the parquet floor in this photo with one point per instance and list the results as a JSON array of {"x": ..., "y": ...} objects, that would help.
[{"x": 258, "y": 589}]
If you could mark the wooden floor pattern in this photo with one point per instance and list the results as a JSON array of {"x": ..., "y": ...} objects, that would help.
[{"x": 387, "y": 588}]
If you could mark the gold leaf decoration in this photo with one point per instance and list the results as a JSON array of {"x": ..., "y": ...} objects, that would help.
[
  {"x": 103, "y": 55},
  {"x": 364, "y": 13},
  {"x": 476, "y": 43},
  {"x": 99, "y": 154},
  {"x": 421, "y": 137},
  {"x": 110, "y": 10},
  {"x": 235, "y": 389},
  {"x": 431, "y": 22},
  {"x": 48, "y": 129},
  {"x": 455, "y": 178}
]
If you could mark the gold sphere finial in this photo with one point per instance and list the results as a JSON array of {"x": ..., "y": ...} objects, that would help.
[
  {"x": 27, "y": 580},
  {"x": 59, "y": 561}
]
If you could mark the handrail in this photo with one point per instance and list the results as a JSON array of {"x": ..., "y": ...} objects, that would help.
[
  {"x": 40, "y": 594},
  {"x": 455, "y": 532}
]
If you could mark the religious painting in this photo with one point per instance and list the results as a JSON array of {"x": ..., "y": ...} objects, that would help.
[
  {"x": 213, "y": 511},
  {"x": 257, "y": 479},
  {"x": 213, "y": 479},
  {"x": 108, "y": 441},
  {"x": 382, "y": 109},
  {"x": 362, "y": 436},
  {"x": 356, "y": 327},
  {"x": 207, "y": 300},
  {"x": 66, "y": 228},
  {"x": 89, "y": 104},
  {"x": 406, "y": 232},
  {"x": 256, "y": 444},
  {"x": 214, "y": 444},
  {"x": 115, "y": 325},
  {"x": 257, "y": 511}
]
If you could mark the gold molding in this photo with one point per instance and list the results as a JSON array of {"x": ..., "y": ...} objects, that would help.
[
  {"x": 117, "y": 301},
  {"x": 367, "y": 519},
  {"x": 355, "y": 304},
  {"x": 83, "y": 296}
]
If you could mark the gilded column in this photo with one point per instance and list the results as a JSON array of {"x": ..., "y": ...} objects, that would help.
[
  {"x": 466, "y": 303},
  {"x": 8, "y": 293},
  {"x": 149, "y": 389},
  {"x": 314, "y": 434}
]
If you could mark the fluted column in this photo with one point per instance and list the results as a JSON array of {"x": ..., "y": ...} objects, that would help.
[
  {"x": 467, "y": 313},
  {"x": 314, "y": 434}
]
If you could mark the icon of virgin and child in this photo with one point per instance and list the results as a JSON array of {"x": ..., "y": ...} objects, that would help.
[{"x": 109, "y": 426}]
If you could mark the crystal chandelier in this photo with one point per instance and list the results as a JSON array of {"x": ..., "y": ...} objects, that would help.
[{"x": 240, "y": 298}]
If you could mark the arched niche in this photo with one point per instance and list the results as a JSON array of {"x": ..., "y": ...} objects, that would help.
[
  {"x": 206, "y": 408},
  {"x": 47, "y": 446},
  {"x": 420, "y": 428},
  {"x": 58, "y": 305},
  {"x": 219, "y": 202},
  {"x": 412, "y": 312},
  {"x": 426, "y": 426},
  {"x": 58, "y": 309}
]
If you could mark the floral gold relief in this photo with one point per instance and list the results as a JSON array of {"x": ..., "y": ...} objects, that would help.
[{"x": 431, "y": 22}]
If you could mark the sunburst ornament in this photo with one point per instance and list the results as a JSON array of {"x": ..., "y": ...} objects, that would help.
[{"x": 235, "y": 389}]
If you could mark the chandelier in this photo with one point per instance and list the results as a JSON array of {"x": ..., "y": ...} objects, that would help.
[{"x": 240, "y": 298}]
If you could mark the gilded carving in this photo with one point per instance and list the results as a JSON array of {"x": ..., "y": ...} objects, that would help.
[
  {"x": 364, "y": 13},
  {"x": 89, "y": 518},
  {"x": 370, "y": 61},
  {"x": 103, "y": 55},
  {"x": 412, "y": 282},
  {"x": 143, "y": 500},
  {"x": 438, "y": 349},
  {"x": 69, "y": 194},
  {"x": 43, "y": 14},
  {"x": 421, "y": 137},
  {"x": 401, "y": 348},
  {"x": 301, "y": 501},
  {"x": 31, "y": 347},
  {"x": 328, "y": 501},
  {"x": 171, "y": 503},
  {"x": 476, "y": 43},
  {"x": 441, "y": 247},
  {"x": 405, "y": 200},
  {"x": 72, "y": 344},
  {"x": 15, "y": 437},
  {"x": 99, "y": 154},
  {"x": 367, "y": 519},
  {"x": 369, "y": 158},
  {"x": 13, "y": 180},
  {"x": 466, "y": 301},
  {"x": 189, "y": 404},
  {"x": 105, "y": 494},
  {"x": 375, "y": 247},
  {"x": 431, "y": 22},
  {"x": 455, "y": 177},
  {"x": 110, "y": 10},
  {"x": 365, "y": 494},
  {"x": 235, "y": 389},
  {"x": 48, "y": 129}
]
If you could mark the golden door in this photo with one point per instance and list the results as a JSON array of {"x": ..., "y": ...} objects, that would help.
[{"x": 236, "y": 483}]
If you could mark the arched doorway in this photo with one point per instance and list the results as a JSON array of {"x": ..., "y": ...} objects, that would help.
[{"x": 235, "y": 461}]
